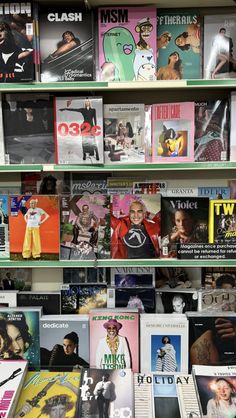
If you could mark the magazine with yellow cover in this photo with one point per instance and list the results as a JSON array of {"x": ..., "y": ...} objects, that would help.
[
  {"x": 222, "y": 225},
  {"x": 47, "y": 394}
]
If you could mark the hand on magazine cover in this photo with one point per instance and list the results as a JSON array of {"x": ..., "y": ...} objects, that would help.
[{"x": 225, "y": 328}]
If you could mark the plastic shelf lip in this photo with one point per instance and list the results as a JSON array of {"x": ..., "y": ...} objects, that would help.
[
  {"x": 20, "y": 167},
  {"x": 210, "y": 83}
]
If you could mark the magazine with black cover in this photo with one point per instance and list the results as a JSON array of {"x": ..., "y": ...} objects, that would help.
[
  {"x": 79, "y": 130},
  {"x": 17, "y": 45},
  {"x": 133, "y": 276},
  {"x": 222, "y": 221},
  {"x": 176, "y": 301},
  {"x": 217, "y": 300},
  {"x": 212, "y": 338},
  {"x": 124, "y": 133},
  {"x": 8, "y": 298},
  {"x": 50, "y": 301},
  {"x": 215, "y": 388},
  {"x": 106, "y": 393},
  {"x": 219, "y": 46},
  {"x": 12, "y": 375},
  {"x": 184, "y": 220},
  {"x": 163, "y": 343},
  {"x": 66, "y": 43},
  {"x": 218, "y": 277},
  {"x": 132, "y": 297},
  {"x": 45, "y": 183},
  {"x": 85, "y": 227},
  {"x": 178, "y": 277},
  {"x": 20, "y": 334},
  {"x": 15, "y": 279},
  {"x": 212, "y": 130},
  {"x": 94, "y": 184},
  {"x": 85, "y": 275},
  {"x": 81, "y": 298},
  {"x": 64, "y": 342},
  {"x": 28, "y": 128}
]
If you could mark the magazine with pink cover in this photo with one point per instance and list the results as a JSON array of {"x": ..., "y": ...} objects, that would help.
[
  {"x": 127, "y": 43},
  {"x": 173, "y": 132},
  {"x": 114, "y": 340},
  {"x": 135, "y": 226}
]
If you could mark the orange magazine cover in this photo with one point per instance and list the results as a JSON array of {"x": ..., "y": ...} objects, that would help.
[{"x": 34, "y": 227}]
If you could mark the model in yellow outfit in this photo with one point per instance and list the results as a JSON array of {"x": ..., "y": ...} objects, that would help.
[{"x": 34, "y": 217}]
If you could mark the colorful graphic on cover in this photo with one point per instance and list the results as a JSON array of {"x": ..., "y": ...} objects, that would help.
[
  {"x": 15, "y": 279},
  {"x": 46, "y": 393},
  {"x": 20, "y": 332},
  {"x": 16, "y": 52},
  {"x": 106, "y": 393},
  {"x": 85, "y": 227},
  {"x": 124, "y": 133},
  {"x": 170, "y": 301},
  {"x": 28, "y": 128},
  {"x": 4, "y": 229},
  {"x": 216, "y": 394},
  {"x": 219, "y": 46},
  {"x": 115, "y": 337},
  {"x": 12, "y": 376},
  {"x": 81, "y": 298},
  {"x": 135, "y": 225},
  {"x": 165, "y": 399},
  {"x": 173, "y": 132},
  {"x": 184, "y": 221},
  {"x": 211, "y": 141},
  {"x": 78, "y": 130},
  {"x": 36, "y": 220},
  {"x": 222, "y": 226},
  {"x": 127, "y": 43},
  {"x": 64, "y": 342},
  {"x": 66, "y": 43},
  {"x": 178, "y": 46},
  {"x": 212, "y": 335}
]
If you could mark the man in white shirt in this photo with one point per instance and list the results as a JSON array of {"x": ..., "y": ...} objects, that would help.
[
  {"x": 103, "y": 395},
  {"x": 34, "y": 217}
]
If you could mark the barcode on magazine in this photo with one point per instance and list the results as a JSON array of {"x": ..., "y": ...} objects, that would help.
[
  {"x": 165, "y": 250},
  {"x": 223, "y": 156},
  {"x": 29, "y": 29}
]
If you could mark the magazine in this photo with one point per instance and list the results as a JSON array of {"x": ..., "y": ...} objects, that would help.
[
  {"x": 218, "y": 277},
  {"x": 143, "y": 395},
  {"x": 134, "y": 56},
  {"x": 85, "y": 275},
  {"x": 217, "y": 300},
  {"x": 187, "y": 397},
  {"x": 15, "y": 279},
  {"x": 8, "y": 298},
  {"x": 176, "y": 301},
  {"x": 4, "y": 227},
  {"x": 50, "y": 301},
  {"x": 81, "y": 298},
  {"x": 142, "y": 298},
  {"x": 133, "y": 277},
  {"x": 222, "y": 225},
  {"x": 165, "y": 399},
  {"x": 45, "y": 183}
]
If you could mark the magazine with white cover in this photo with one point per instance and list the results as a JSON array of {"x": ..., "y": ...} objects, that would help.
[
  {"x": 79, "y": 130},
  {"x": 187, "y": 397},
  {"x": 12, "y": 374},
  {"x": 8, "y": 298},
  {"x": 217, "y": 300},
  {"x": 143, "y": 395},
  {"x": 163, "y": 343},
  {"x": 215, "y": 387},
  {"x": 133, "y": 276}
]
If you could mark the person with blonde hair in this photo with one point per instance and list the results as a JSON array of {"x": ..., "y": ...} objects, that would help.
[{"x": 223, "y": 405}]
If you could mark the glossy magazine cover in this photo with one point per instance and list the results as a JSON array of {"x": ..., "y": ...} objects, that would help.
[
  {"x": 66, "y": 43},
  {"x": 46, "y": 393},
  {"x": 173, "y": 132},
  {"x": 12, "y": 377},
  {"x": 133, "y": 277},
  {"x": 36, "y": 220},
  {"x": 127, "y": 43},
  {"x": 115, "y": 337},
  {"x": 222, "y": 226},
  {"x": 50, "y": 301},
  {"x": 15, "y": 279},
  {"x": 106, "y": 393},
  {"x": 4, "y": 227},
  {"x": 85, "y": 227},
  {"x": 81, "y": 298},
  {"x": 78, "y": 130},
  {"x": 28, "y": 128},
  {"x": 20, "y": 330},
  {"x": 179, "y": 45},
  {"x": 17, "y": 49},
  {"x": 64, "y": 342},
  {"x": 135, "y": 226},
  {"x": 124, "y": 133}
]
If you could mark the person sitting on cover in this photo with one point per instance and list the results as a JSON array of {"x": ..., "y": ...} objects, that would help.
[
  {"x": 113, "y": 350},
  {"x": 135, "y": 235}
]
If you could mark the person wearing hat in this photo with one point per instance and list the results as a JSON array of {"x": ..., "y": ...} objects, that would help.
[
  {"x": 144, "y": 29},
  {"x": 113, "y": 350},
  {"x": 34, "y": 218}
]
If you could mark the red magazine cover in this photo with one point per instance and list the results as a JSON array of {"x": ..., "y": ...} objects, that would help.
[{"x": 34, "y": 227}]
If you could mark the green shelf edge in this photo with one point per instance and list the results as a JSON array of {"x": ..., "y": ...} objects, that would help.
[
  {"x": 54, "y": 86},
  {"x": 119, "y": 263},
  {"x": 22, "y": 167},
  {"x": 210, "y": 83}
]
